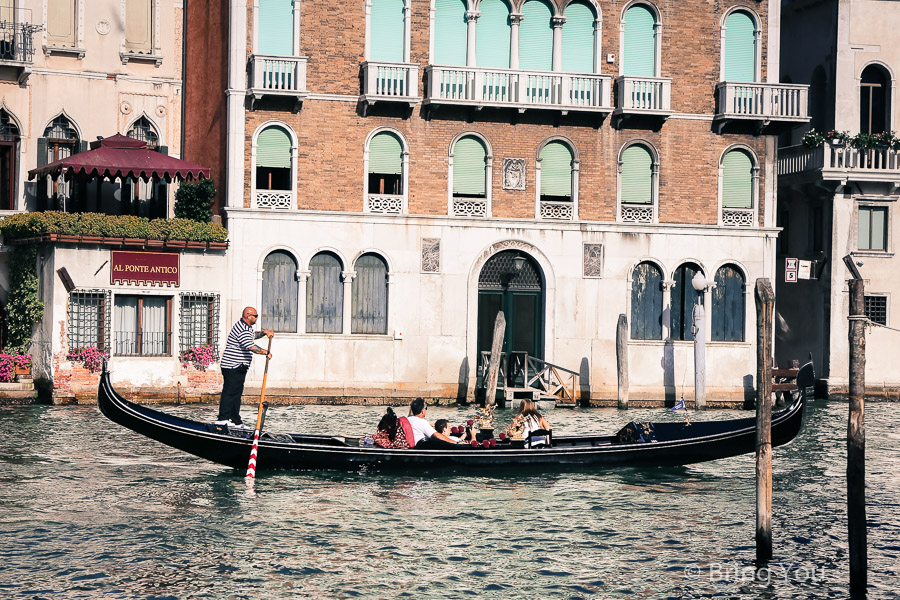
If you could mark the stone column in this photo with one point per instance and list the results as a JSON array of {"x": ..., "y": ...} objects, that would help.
[
  {"x": 471, "y": 20},
  {"x": 557, "y": 23},
  {"x": 347, "y": 278},
  {"x": 302, "y": 277},
  {"x": 515, "y": 19}
]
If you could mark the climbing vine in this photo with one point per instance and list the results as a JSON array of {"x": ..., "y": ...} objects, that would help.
[{"x": 23, "y": 307}]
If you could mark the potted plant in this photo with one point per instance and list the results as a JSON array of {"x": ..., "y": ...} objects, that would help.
[
  {"x": 90, "y": 356},
  {"x": 199, "y": 356},
  {"x": 812, "y": 139},
  {"x": 14, "y": 366},
  {"x": 837, "y": 139}
]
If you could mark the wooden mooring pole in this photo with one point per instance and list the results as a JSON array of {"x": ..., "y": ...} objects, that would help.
[
  {"x": 856, "y": 441},
  {"x": 494, "y": 366},
  {"x": 622, "y": 359},
  {"x": 765, "y": 312}
]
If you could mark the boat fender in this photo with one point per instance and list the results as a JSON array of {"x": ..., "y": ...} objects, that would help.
[{"x": 407, "y": 430}]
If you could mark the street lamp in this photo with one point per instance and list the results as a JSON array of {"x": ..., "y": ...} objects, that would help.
[{"x": 699, "y": 329}]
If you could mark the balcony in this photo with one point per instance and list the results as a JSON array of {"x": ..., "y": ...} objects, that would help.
[
  {"x": 764, "y": 102},
  {"x": 17, "y": 42},
  {"x": 557, "y": 210},
  {"x": 643, "y": 96},
  {"x": 274, "y": 199},
  {"x": 839, "y": 163},
  {"x": 278, "y": 76},
  {"x": 465, "y": 206},
  {"x": 390, "y": 82},
  {"x": 523, "y": 90},
  {"x": 385, "y": 204}
]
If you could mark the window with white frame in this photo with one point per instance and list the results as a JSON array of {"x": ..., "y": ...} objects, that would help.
[
  {"x": 139, "y": 26},
  {"x": 275, "y": 28},
  {"x": 637, "y": 184},
  {"x": 62, "y": 23},
  {"x": 738, "y": 188},
  {"x": 9, "y": 152},
  {"x": 873, "y": 228},
  {"x": 578, "y": 54},
  {"x": 740, "y": 47},
  {"x": 142, "y": 325},
  {"x": 369, "y": 303},
  {"x": 646, "y": 302},
  {"x": 325, "y": 294},
  {"x": 273, "y": 169},
  {"x": 450, "y": 32},
  {"x": 492, "y": 46},
  {"x": 728, "y": 305},
  {"x": 639, "y": 47},
  {"x": 683, "y": 299},
  {"x": 385, "y": 189},
  {"x": 280, "y": 293},
  {"x": 469, "y": 177},
  {"x": 387, "y": 31},
  {"x": 876, "y": 309},
  {"x": 89, "y": 319},
  {"x": 536, "y": 36},
  {"x": 199, "y": 321}
]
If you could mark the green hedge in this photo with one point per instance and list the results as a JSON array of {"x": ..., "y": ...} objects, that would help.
[{"x": 23, "y": 225}]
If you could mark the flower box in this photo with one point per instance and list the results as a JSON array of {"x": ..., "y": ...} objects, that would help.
[
  {"x": 23, "y": 372},
  {"x": 132, "y": 242},
  {"x": 218, "y": 245},
  {"x": 199, "y": 245},
  {"x": 175, "y": 243},
  {"x": 154, "y": 243}
]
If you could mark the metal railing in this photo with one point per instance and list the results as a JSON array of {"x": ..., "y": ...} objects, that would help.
[
  {"x": 871, "y": 163},
  {"x": 16, "y": 35},
  {"x": 130, "y": 343},
  {"x": 770, "y": 101},
  {"x": 390, "y": 80},
  {"x": 278, "y": 74},
  {"x": 643, "y": 94},
  {"x": 526, "y": 89},
  {"x": 520, "y": 369}
]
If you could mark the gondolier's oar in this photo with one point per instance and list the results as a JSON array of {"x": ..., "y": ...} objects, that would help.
[{"x": 251, "y": 468}]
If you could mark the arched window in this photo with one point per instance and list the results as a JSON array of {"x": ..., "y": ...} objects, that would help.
[
  {"x": 274, "y": 178},
  {"x": 450, "y": 33},
  {"x": 578, "y": 39},
  {"x": 9, "y": 152},
  {"x": 536, "y": 37},
  {"x": 469, "y": 166},
  {"x": 387, "y": 31},
  {"x": 325, "y": 295},
  {"x": 639, "y": 48},
  {"x": 683, "y": 299},
  {"x": 143, "y": 130},
  {"x": 275, "y": 28},
  {"x": 740, "y": 47},
  {"x": 280, "y": 293},
  {"x": 637, "y": 184},
  {"x": 556, "y": 172},
  {"x": 369, "y": 304},
  {"x": 874, "y": 100},
  {"x": 737, "y": 188},
  {"x": 384, "y": 187},
  {"x": 728, "y": 305},
  {"x": 493, "y": 33},
  {"x": 646, "y": 302},
  {"x": 60, "y": 140}
]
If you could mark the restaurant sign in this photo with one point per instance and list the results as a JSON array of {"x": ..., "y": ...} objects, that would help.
[{"x": 145, "y": 268}]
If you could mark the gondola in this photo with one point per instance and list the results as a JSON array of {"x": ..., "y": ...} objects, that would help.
[{"x": 676, "y": 443}]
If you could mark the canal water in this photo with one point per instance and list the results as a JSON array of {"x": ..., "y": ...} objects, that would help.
[{"x": 91, "y": 510}]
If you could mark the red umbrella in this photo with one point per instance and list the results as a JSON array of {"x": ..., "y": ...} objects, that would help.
[{"x": 121, "y": 156}]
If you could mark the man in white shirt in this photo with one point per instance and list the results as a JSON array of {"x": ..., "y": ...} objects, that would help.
[{"x": 422, "y": 429}]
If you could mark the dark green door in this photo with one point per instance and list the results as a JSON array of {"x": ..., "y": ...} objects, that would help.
[{"x": 511, "y": 282}]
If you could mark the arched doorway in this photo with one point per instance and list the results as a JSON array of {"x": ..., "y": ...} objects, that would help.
[{"x": 511, "y": 281}]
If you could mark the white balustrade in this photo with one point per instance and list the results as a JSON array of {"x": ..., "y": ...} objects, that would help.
[
  {"x": 277, "y": 199},
  {"x": 643, "y": 94},
  {"x": 285, "y": 75},
  {"x": 390, "y": 80},
  {"x": 524, "y": 89},
  {"x": 384, "y": 204},
  {"x": 768, "y": 101},
  {"x": 737, "y": 217},
  {"x": 841, "y": 162},
  {"x": 637, "y": 213},
  {"x": 469, "y": 207},
  {"x": 558, "y": 211}
]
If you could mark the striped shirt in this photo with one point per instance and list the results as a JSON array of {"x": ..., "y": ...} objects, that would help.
[{"x": 237, "y": 348}]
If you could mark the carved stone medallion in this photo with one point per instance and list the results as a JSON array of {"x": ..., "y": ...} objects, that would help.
[{"x": 513, "y": 173}]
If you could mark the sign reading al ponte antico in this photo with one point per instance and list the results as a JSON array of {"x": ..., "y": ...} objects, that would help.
[{"x": 145, "y": 268}]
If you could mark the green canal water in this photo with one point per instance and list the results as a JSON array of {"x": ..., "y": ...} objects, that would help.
[{"x": 91, "y": 510}]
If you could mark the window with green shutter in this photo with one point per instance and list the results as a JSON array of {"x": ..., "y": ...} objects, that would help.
[
  {"x": 639, "y": 50},
  {"x": 449, "y": 33},
  {"x": 468, "y": 167},
  {"x": 578, "y": 39},
  {"x": 275, "y": 29},
  {"x": 637, "y": 175},
  {"x": 740, "y": 47},
  {"x": 492, "y": 45},
  {"x": 273, "y": 159},
  {"x": 386, "y": 31},
  {"x": 737, "y": 180},
  {"x": 385, "y": 164},
  {"x": 556, "y": 172},
  {"x": 536, "y": 37}
]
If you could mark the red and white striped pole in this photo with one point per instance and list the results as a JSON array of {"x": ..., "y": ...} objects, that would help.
[{"x": 251, "y": 467}]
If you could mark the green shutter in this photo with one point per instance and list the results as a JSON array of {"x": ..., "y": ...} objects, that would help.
[
  {"x": 468, "y": 166},
  {"x": 42, "y": 153},
  {"x": 450, "y": 33},
  {"x": 386, "y": 30},
  {"x": 273, "y": 148},
  {"x": 637, "y": 176},
  {"x": 536, "y": 37},
  {"x": 737, "y": 180},
  {"x": 556, "y": 170},
  {"x": 740, "y": 47},
  {"x": 492, "y": 46},
  {"x": 275, "y": 29},
  {"x": 385, "y": 155},
  {"x": 578, "y": 39},
  {"x": 640, "y": 42}
]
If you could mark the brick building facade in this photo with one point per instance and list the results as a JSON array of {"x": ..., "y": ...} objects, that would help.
[{"x": 666, "y": 126}]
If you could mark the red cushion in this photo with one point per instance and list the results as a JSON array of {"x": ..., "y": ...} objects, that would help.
[{"x": 407, "y": 430}]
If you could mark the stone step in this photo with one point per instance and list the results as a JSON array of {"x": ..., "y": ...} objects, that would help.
[{"x": 15, "y": 386}]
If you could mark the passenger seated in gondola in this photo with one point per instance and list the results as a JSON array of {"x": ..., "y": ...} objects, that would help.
[
  {"x": 390, "y": 433},
  {"x": 538, "y": 430},
  {"x": 424, "y": 435},
  {"x": 442, "y": 426}
]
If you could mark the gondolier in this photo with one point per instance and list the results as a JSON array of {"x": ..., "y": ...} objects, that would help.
[{"x": 239, "y": 350}]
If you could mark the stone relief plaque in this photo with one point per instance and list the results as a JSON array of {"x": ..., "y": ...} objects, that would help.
[
  {"x": 431, "y": 255},
  {"x": 513, "y": 173},
  {"x": 593, "y": 260}
]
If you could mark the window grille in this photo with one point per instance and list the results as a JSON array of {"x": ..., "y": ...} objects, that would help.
[
  {"x": 89, "y": 319},
  {"x": 876, "y": 309},
  {"x": 144, "y": 131},
  {"x": 199, "y": 318}
]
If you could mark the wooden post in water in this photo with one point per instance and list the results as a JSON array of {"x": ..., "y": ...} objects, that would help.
[
  {"x": 765, "y": 312},
  {"x": 856, "y": 440},
  {"x": 494, "y": 366},
  {"x": 622, "y": 359}
]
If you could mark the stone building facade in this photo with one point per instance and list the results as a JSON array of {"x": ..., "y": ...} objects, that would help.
[{"x": 387, "y": 162}]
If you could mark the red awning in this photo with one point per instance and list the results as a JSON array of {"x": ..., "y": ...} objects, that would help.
[{"x": 120, "y": 156}]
